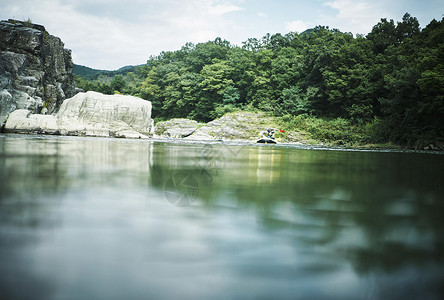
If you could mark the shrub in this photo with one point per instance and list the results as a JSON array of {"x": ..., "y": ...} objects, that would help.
[{"x": 330, "y": 131}]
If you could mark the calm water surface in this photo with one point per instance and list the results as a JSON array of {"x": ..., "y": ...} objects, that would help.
[{"x": 91, "y": 218}]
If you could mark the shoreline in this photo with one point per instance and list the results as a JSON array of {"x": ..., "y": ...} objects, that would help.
[{"x": 299, "y": 146}]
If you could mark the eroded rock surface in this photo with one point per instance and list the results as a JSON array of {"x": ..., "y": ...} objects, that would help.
[
  {"x": 35, "y": 69},
  {"x": 234, "y": 126},
  {"x": 89, "y": 114},
  {"x": 176, "y": 128}
]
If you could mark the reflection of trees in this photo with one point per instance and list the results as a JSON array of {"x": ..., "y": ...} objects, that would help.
[
  {"x": 379, "y": 210},
  {"x": 391, "y": 208},
  {"x": 395, "y": 213}
]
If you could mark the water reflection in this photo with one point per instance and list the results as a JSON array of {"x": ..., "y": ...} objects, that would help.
[
  {"x": 89, "y": 218},
  {"x": 380, "y": 212}
]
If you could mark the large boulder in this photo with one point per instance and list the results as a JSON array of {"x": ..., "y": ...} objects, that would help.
[
  {"x": 89, "y": 114},
  {"x": 35, "y": 69},
  {"x": 175, "y": 128},
  {"x": 244, "y": 126},
  {"x": 23, "y": 121},
  {"x": 233, "y": 126}
]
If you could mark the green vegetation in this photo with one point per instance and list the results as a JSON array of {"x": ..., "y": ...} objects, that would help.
[
  {"x": 337, "y": 131},
  {"x": 93, "y": 74},
  {"x": 386, "y": 87},
  {"x": 28, "y": 22}
]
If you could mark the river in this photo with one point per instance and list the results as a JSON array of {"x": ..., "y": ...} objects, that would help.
[{"x": 102, "y": 218}]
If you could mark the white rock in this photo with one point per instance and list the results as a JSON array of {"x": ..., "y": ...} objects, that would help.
[
  {"x": 90, "y": 114},
  {"x": 176, "y": 128},
  {"x": 23, "y": 121},
  {"x": 199, "y": 136},
  {"x": 6, "y": 105}
]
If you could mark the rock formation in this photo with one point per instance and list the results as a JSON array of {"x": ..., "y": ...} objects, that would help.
[
  {"x": 35, "y": 69},
  {"x": 236, "y": 126},
  {"x": 175, "y": 128},
  {"x": 89, "y": 114}
]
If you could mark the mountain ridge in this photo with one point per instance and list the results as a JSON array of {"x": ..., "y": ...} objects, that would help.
[{"x": 92, "y": 74}]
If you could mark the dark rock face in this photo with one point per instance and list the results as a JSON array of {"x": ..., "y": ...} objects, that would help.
[{"x": 35, "y": 69}]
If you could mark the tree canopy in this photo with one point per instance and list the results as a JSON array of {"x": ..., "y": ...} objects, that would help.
[{"x": 393, "y": 78}]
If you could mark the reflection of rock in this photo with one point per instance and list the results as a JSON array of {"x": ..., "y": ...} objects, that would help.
[
  {"x": 32, "y": 168},
  {"x": 89, "y": 114},
  {"x": 176, "y": 128},
  {"x": 35, "y": 69}
]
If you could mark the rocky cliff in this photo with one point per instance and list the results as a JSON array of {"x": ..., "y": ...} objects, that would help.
[{"x": 35, "y": 69}]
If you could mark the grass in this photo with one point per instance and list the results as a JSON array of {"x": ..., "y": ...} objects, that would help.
[
  {"x": 335, "y": 132},
  {"x": 309, "y": 129}
]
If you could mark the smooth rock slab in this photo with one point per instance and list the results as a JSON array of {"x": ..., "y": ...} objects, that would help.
[
  {"x": 176, "y": 128},
  {"x": 233, "y": 126},
  {"x": 23, "y": 121},
  {"x": 90, "y": 114}
]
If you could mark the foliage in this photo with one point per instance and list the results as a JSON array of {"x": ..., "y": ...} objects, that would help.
[
  {"x": 93, "y": 74},
  {"x": 387, "y": 86},
  {"x": 336, "y": 131}
]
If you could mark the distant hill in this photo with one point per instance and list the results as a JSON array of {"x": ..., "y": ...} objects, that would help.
[
  {"x": 308, "y": 31},
  {"x": 92, "y": 74},
  {"x": 88, "y": 73}
]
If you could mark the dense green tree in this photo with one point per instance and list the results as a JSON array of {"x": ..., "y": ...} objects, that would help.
[
  {"x": 392, "y": 79},
  {"x": 118, "y": 83},
  {"x": 383, "y": 35},
  {"x": 243, "y": 72}
]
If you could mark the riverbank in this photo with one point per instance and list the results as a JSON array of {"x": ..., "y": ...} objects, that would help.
[
  {"x": 215, "y": 142},
  {"x": 237, "y": 127},
  {"x": 247, "y": 126}
]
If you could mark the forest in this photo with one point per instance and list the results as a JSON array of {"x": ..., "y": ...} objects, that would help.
[
  {"x": 385, "y": 87},
  {"x": 91, "y": 74}
]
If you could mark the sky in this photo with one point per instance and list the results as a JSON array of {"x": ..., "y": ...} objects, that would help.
[{"x": 109, "y": 34}]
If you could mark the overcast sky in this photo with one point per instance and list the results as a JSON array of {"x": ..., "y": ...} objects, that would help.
[{"x": 109, "y": 34}]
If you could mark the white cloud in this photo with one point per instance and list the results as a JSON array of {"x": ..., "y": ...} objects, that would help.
[
  {"x": 297, "y": 26},
  {"x": 262, "y": 15},
  {"x": 111, "y": 34},
  {"x": 224, "y": 8},
  {"x": 354, "y": 15},
  {"x": 349, "y": 8}
]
